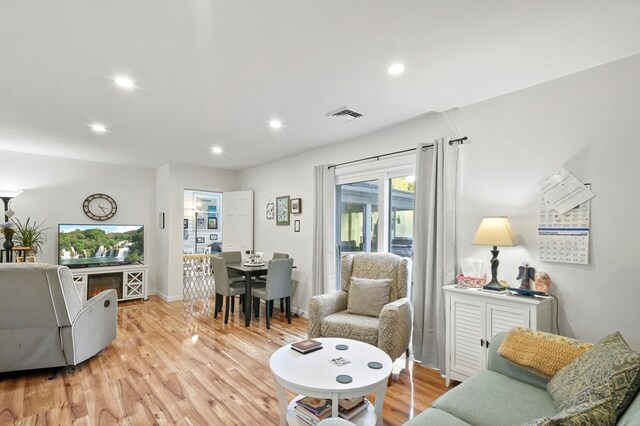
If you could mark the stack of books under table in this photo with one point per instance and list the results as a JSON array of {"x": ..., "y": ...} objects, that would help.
[{"x": 312, "y": 410}]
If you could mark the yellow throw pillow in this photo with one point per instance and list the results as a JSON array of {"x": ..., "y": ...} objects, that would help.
[{"x": 541, "y": 353}]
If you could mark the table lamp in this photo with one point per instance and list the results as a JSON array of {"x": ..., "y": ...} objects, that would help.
[{"x": 494, "y": 231}]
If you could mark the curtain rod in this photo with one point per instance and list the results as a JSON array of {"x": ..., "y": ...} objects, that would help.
[
  {"x": 378, "y": 157},
  {"x": 375, "y": 157}
]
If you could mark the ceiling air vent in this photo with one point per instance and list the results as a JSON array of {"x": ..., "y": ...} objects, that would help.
[{"x": 345, "y": 114}]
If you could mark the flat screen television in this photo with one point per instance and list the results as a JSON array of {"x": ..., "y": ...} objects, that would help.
[{"x": 100, "y": 245}]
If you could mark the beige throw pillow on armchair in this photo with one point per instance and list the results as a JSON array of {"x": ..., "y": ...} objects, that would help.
[{"x": 368, "y": 296}]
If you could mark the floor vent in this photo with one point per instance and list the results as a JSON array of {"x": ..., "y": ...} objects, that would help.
[{"x": 345, "y": 114}]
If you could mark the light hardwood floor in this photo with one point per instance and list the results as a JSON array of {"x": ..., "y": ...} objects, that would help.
[{"x": 172, "y": 363}]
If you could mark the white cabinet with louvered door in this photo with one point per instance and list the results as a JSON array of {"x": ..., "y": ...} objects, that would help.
[{"x": 473, "y": 317}]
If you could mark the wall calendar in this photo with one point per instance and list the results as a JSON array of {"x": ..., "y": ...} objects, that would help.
[{"x": 564, "y": 238}]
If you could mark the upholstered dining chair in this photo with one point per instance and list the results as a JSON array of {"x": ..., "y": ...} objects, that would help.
[
  {"x": 263, "y": 278},
  {"x": 371, "y": 305},
  {"x": 233, "y": 257},
  {"x": 224, "y": 287},
  {"x": 278, "y": 285}
]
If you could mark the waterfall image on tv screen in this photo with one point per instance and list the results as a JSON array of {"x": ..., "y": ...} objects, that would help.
[{"x": 94, "y": 245}]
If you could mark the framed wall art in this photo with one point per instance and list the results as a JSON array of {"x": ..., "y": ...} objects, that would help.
[
  {"x": 185, "y": 223},
  {"x": 270, "y": 209},
  {"x": 212, "y": 223},
  {"x": 296, "y": 205},
  {"x": 199, "y": 240},
  {"x": 282, "y": 210},
  {"x": 213, "y": 237},
  {"x": 296, "y": 226},
  {"x": 201, "y": 221}
]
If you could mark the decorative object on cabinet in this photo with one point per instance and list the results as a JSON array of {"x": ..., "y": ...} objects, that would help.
[
  {"x": 270, "y": 210},
  {"x": 494, "y": 231},
  {"x": 296, "y": 205},
  {"x": 296, "y": 226},
  {"x": 99, "y": 207},
  {"x": 473, "y": 318},
  {"x": 526, "y": 273},
  {"x": 282, "y": 210},
  {"x": 543, "y": 281}
]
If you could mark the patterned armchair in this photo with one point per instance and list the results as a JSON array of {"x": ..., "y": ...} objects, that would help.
[{"x": 391, "y": 330}]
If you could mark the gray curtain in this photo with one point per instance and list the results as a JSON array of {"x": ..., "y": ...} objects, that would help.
[
  {"x": 434, "y": 257},
  {"x": 323, "y": 272}
]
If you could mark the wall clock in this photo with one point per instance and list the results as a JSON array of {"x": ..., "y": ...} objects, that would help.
[{"x": 99, "y": 207}]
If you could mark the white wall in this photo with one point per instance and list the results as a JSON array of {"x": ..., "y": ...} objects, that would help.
[
  {"x": 586, "y": 122},
  {"x": 171, "y": 181},
  {"x": 55, "y": 188}
]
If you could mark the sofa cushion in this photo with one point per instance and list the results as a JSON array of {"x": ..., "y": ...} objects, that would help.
[
  {"x": 608, "y": 370},
  {"x": 493, "y": 399},
  {"x": 367, "y": 296},
  {"x": 541, "y": 353},
  {"x": 599, "y": 413},
  {"x": 435, "y": 417},
  {"x": 350, "y": 326}
]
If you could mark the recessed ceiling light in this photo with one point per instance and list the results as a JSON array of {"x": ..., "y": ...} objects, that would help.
[
  {"x": 216, "y": 150},
  {"x": 124, "y": 82},
  {"x": 396, "y": 69},
  {"x": 98, "y": 128},
  {"x": 276, "y": 124}
]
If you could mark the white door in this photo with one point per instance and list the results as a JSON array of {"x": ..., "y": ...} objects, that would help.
[
  {"x": 467, "y": 331},
  {"x": 237, "y": 221},
  {"x": 504, "y": 318}
]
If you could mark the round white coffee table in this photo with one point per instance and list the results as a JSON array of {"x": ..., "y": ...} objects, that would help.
[{"x": 313, "y": 374}]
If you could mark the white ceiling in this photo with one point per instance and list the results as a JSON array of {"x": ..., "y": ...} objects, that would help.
[{"x": 213, "y": 73}]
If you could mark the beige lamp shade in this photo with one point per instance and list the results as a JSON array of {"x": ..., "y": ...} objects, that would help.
[{"x": 494, "y": 231}]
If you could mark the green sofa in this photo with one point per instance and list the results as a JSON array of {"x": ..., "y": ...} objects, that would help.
[{"x": 504, "y": 394}]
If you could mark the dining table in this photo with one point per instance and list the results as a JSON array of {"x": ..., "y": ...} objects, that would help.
[{"x": 248, "y": 272}]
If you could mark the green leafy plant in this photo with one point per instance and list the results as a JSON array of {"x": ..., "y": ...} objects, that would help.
[{"x": 30, "y": 234}]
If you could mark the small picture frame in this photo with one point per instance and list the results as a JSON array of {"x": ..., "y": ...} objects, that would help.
[
  {"x": 213, "y": 237},
  {"x": 199, "y": 240},
  {"x": 185, "y": 223},
  {"x": 161, "y": 220},
  {"x": 270, "y": 210},
  {"x": 296, "y": 226},
  {"x": 282, "y": 211},
  {"x": 212, "y": 223},
  {"x": 201, "y": 222},
  {"x": 296, "y": 205}
]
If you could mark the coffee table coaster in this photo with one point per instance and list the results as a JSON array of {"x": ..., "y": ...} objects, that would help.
[
  {"x": 375, "y": 365},
  {"x": 343, "y": 378},
  {"x": 342, "y": 347}
]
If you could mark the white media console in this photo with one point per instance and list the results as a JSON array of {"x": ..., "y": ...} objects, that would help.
[{"x": 128, "y": 280}]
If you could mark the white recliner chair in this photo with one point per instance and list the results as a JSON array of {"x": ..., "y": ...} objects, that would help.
[{"x": 43, "y": 321}]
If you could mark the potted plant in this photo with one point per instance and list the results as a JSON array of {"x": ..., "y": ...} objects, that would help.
[{"x": 30, "y": 234}]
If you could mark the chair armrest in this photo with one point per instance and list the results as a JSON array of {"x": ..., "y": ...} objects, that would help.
[
  {"x": 395, "y": 327},
  {"x": 322, "y": 305},
  {"x": 93, "y": 328}
]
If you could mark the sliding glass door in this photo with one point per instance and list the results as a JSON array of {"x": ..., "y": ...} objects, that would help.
[{"x": 374, "y": 213}]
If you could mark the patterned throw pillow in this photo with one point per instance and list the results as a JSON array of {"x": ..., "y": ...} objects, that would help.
[
  {"x": 608, "y": 370},
  {"x": 599, "y": 413},
  {"x": 541, "y": 353}
]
